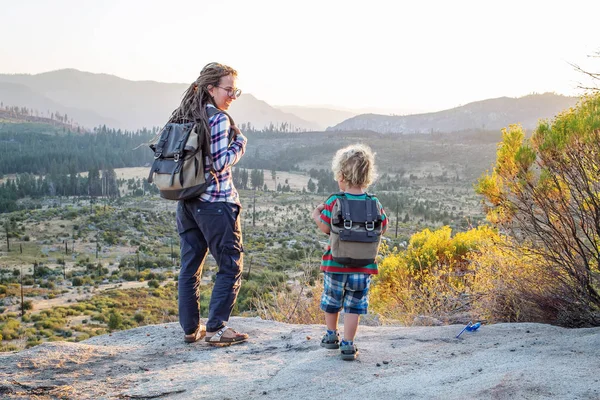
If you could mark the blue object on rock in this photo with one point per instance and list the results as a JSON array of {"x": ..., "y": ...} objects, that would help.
[{"x": 473, "y": 328}]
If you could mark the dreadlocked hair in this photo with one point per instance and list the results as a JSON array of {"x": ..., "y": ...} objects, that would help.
[{"x": 195, "y": 98}]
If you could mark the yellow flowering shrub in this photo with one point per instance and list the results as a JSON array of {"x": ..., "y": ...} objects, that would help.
[{"x": 430, "y": 278}]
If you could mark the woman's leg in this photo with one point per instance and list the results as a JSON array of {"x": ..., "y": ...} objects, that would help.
[
  {"x": 220, "y": 226},
  {"x": 193, "y": 249}
]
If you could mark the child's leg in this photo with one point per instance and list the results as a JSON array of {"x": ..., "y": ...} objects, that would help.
[
  {"x": 356, "y": 302},
  {"x": 332, "y": 298},
  {"x": 331, "y": 304},
  {"x": 350, "y": 326},
  {"x": 331, "y": 320}
]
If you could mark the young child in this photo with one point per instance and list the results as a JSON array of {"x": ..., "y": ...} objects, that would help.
[{"x": 346, "y": 286}]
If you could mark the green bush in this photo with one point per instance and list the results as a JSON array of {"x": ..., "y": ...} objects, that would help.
[
  {"x": 99, "y": 317},
  {"x": 82, "y": 336},
  {"x": 115, "y": 321},
  {"x": 130, "y": 275},
  {"x": 10, "y": 329},
  {"x": 77, "y": 281},
  {"x": 154, "y": 283}
]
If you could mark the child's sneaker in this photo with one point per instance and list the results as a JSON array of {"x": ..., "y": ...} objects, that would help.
[
  {"x": 331, "y": 340},
  {"x": 348, "y": 351}
]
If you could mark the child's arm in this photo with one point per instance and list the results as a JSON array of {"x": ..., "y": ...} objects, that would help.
[{"x": 316, "y": 216}]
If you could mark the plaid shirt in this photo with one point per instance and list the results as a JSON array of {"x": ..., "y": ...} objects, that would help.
[{"x": 225, "y": 156}]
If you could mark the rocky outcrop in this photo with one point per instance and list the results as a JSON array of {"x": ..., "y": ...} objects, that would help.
[{"x": 281, "y": 361}]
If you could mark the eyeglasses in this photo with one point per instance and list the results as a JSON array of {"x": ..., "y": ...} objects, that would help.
[{"x": 231, "y": 92}]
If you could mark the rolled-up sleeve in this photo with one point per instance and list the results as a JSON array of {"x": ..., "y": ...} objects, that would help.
[{"x": 225, "y": 154}]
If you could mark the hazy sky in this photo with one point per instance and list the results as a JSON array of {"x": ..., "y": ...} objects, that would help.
[{"x": 402, "y": 55}]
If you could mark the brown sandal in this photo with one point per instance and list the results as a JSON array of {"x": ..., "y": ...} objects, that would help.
[
  {"x": 225, "y": 335},
  {"x": 194, "y": 337}
]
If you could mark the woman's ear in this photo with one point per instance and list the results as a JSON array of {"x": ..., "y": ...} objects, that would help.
[{"x": 210, "y": 89}]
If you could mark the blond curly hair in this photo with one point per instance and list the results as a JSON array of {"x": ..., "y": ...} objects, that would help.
[{"x": 355, "y": 165}]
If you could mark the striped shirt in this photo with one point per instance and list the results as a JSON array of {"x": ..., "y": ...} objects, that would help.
[
  {"x": 225, "y": 155},
  {"x": 327, "y": 263}
]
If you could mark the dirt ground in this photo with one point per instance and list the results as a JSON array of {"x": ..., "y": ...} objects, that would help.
[
  {"x": 73, "y": 295},
  {"x": 295, "y": 180}
]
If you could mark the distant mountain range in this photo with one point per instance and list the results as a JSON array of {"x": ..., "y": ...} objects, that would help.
[
  {"x": 97, "y": 99},
  {"x": 100, "y": 99},
  {"x": 491, "y": 114}
]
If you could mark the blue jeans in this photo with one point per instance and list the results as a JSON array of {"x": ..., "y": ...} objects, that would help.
[{"x": 204, "y": 226}]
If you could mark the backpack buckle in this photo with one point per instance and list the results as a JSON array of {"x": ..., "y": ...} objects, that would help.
[
  {"x": 347, "y": 224},
  {"x": 157, "y": 156},
  {"x": 370, "y": 225},
  {"x": 176, "y": 157}
]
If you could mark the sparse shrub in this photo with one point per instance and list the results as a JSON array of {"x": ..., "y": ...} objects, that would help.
[
  {"x": 10, "y": 329},
  {"x": 115, "y": 320},
  {"x": 77, "y": 281},
  {"x": 99, "y": 317},
  {"x": 81, "y": 337},
  {"x": 130, "y": 275}
]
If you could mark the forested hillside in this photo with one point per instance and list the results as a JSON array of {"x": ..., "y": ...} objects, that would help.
[
  {"x": 29, "y": 148},
  {"x": 46, "y": 160}
]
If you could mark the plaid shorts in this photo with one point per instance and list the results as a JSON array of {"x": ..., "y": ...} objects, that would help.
[{"x": 348, "y": 290}]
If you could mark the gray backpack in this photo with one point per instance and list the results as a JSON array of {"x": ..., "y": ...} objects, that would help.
[
  {"x": 355, "y": 232},
  {"x": 179, "y": 158}
]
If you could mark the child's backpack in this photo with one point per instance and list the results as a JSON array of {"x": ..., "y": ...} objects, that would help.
[
  {"x": 179, "y": 157},
  {"x": 355, "y": 232}
]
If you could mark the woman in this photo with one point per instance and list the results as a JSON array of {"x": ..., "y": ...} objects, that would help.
[{"x": 211, "y": 221}]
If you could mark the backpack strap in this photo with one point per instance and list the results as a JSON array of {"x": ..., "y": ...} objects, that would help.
[
  {"x": 158, "y": 150},
  {"x": 346, "y": 216},
  {"x": 181, "y": 144},
  {"x": 213, "y": 111},
  {"x": 339, "y": 194},
  {"x": 370, "y": 221},
  {"x": 334, "y": 218}
]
